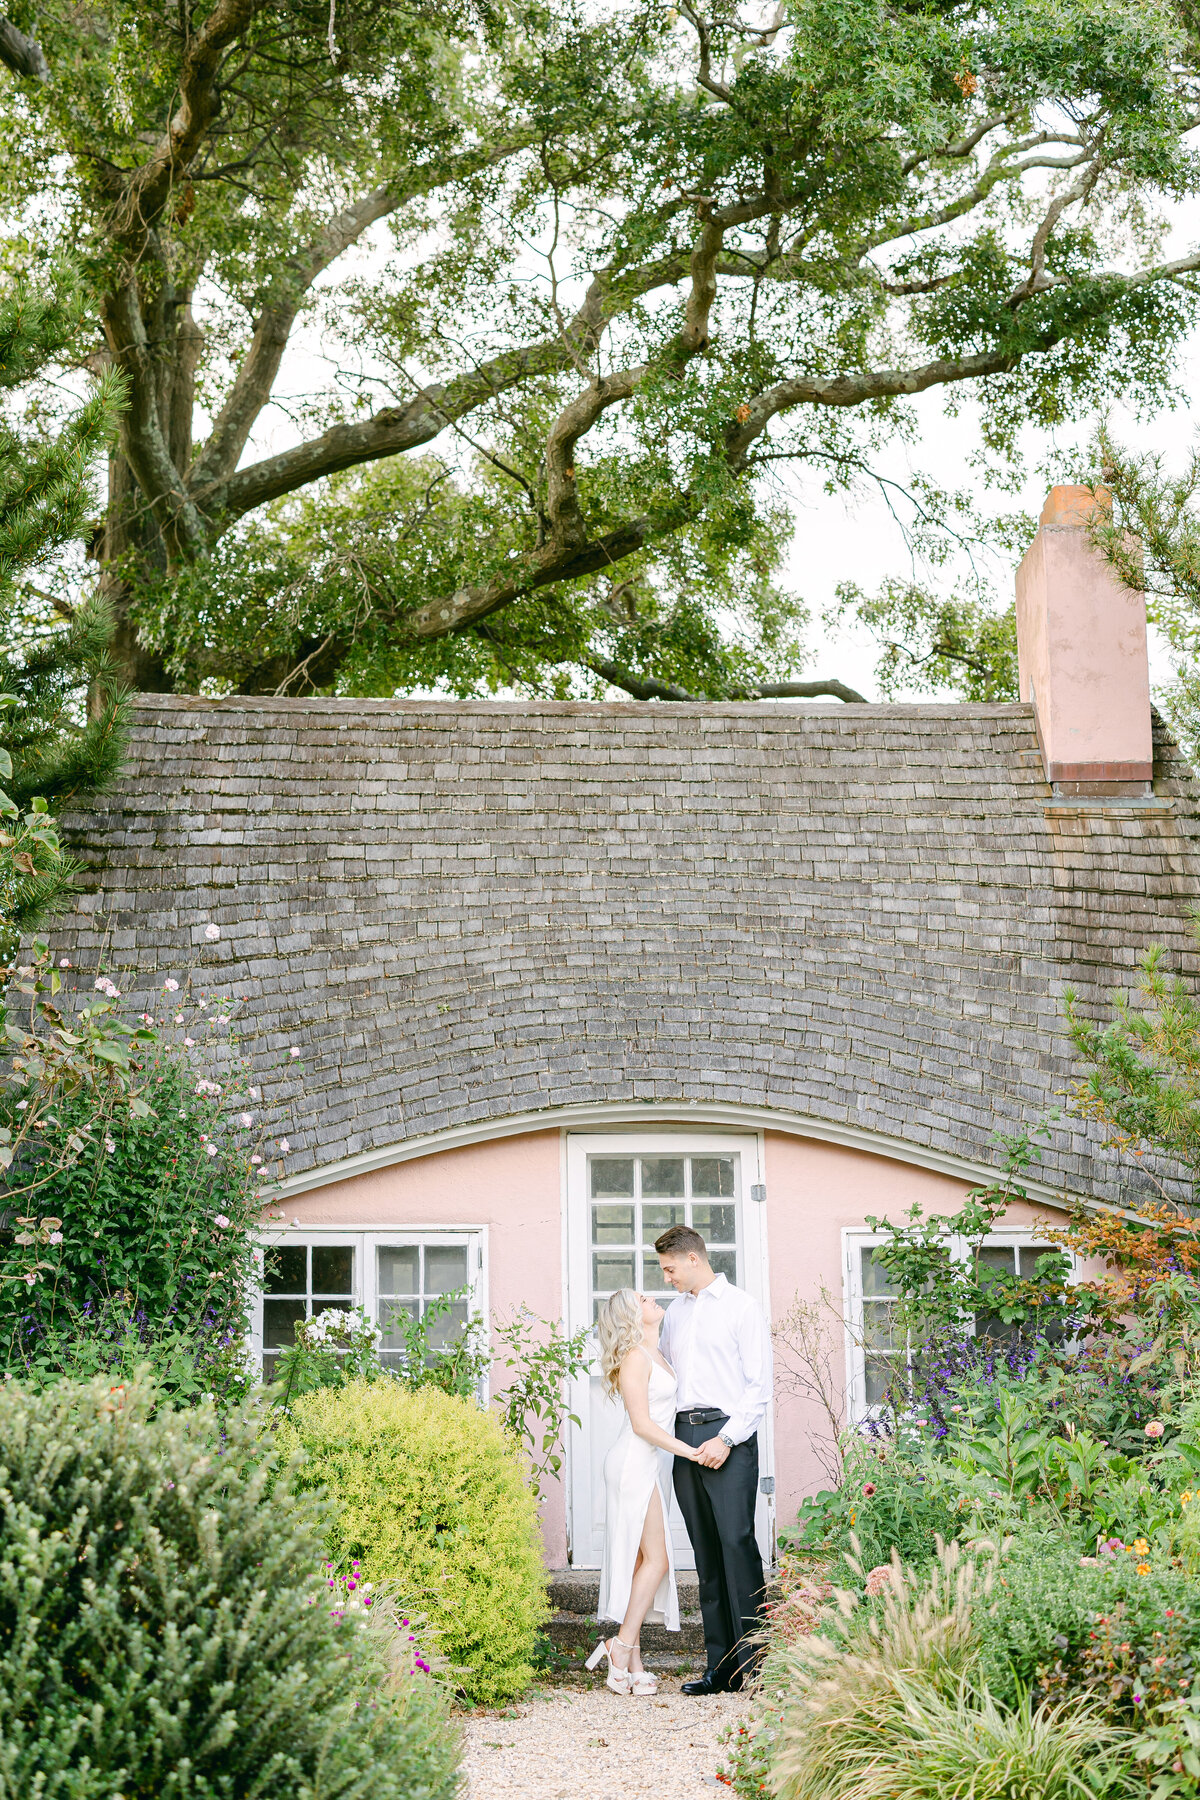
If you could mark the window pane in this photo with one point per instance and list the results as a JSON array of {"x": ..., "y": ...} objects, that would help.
[
  {"x": 1029, "y": 1258},
  {"x": 996, "y": 1259},
  {"x": 391, "y": 1311},
  {"x": 879, "y": 1330},
  {"x": 662, "y": 1175},
  {"x": 332, "y": 1269},
  {"x": 879, "y": 1375},
  {"x": 610, "y": 1270},
  {"x": 443, "y": 1331},
  {"x": 400, "y": 1270},
  {"x": 652, "y": 1275},
  {"x": 445, "y": 1268},
  {"x": 656, "y": 1219},
  {"x": 285, "y": 1270},
  {"x": 612, "y": 1224},
  {"x": 279, "y": 1323},
  {"x": 712, "y": 1177},
  {"x": 612, "y": 1175},
  {"x": 715, "y": 1224},
  {"x": 875, "y": 1278},
  {"x": 725, "y": 1263}
]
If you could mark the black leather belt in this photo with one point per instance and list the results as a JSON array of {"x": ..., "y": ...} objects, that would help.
[{"x": 701, "y": 1415}]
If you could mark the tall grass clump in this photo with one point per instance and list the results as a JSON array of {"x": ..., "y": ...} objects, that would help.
[{"x": 884, "y": 1704}]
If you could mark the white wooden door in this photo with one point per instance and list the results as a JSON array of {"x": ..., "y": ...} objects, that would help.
[{"x": 623, "y": 1190}]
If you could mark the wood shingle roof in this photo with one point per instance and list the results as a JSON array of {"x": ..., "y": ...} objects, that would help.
[{"x": 464, "y": 911}]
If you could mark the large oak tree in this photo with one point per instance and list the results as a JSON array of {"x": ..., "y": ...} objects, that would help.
[{"x": 639, "y": 256}]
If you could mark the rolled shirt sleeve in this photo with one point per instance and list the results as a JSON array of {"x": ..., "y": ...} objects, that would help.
[{"x": 754, "y": 1349}]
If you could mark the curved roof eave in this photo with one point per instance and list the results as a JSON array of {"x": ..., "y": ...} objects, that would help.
[{"x": 618, "y": 1114}]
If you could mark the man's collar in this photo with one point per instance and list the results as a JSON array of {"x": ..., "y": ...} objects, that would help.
[{"x": 717, "y": 1283}]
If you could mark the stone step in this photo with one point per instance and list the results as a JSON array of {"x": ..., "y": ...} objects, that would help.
[
  {"x": 578, "y": 1590},
  {"x": 574, "y": 1629}
]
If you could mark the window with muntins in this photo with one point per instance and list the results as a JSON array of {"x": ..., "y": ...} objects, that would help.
[
  {"x": 634, "y": 1199},
  {"x": 384, "y": 1272},
  {"x": 877, "y": 1348}
]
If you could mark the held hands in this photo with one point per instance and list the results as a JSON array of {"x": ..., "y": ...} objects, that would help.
[{"x": 712, "y": 1453}]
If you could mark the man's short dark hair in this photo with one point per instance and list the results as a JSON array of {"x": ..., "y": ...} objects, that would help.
[{"x": 681, "y": 1240}]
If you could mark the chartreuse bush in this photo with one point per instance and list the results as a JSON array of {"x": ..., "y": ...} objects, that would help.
[
  {"x": 429, "y": 1491},
  {"x": 162, "y": 1631}
]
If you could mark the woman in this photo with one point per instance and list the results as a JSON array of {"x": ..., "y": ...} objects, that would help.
[{"x": 637, "y": 1580}]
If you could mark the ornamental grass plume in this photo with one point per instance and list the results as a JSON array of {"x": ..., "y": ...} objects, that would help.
[
  {"x": 840, "y": 1691},
  {"x": 886, "y": 1705}
]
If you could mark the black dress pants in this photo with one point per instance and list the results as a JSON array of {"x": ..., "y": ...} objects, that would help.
[{"x": 718, "y": 1510}]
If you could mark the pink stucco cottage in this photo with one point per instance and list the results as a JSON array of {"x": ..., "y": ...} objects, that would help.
[{"x": 565, "y": 973}]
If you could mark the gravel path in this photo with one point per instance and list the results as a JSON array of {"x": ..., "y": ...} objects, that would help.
[{"x": 572, "y": 1744}]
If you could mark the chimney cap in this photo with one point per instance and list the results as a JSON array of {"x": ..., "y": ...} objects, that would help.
[{"x": 1074, "y": 506}]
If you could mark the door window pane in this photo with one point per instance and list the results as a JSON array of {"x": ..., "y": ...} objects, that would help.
[
  {"x": 612, "y": 1175},
  {"x": 716, "y": 1224},
  {"x": 724, "y": 1262},
  {"x": 657, "y": 1219},
  {"x": 612, "y": 1271},
  {"x": 612, "y": 1224},
  {"x": 662, "y": 1175},
  {"x": 712, "y": 1177}
]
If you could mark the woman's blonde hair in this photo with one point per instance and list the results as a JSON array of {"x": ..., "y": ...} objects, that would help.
[{"x": 619, "y": 1329}]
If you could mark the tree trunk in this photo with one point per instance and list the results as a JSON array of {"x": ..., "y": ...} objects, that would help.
[{"x": 129, "y": 541}]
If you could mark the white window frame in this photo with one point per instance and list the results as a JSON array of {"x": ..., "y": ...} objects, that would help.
[
  {"x": 366, "y": 1242},
  {"x": 854, "y": 1240}
]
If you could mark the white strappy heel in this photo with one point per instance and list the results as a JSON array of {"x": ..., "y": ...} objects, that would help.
[
  {"x": 644, "y": 1685},
  {"x": 619, "y": 1680}
]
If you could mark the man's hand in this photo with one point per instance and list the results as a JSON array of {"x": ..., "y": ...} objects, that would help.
[{"x": 712, "y": 1454}]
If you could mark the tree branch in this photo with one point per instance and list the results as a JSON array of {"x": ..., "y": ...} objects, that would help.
[
  {"x": 648, "y": 687},
  {"x": 22, "y": 54},
  {"x": 142, "y": 438},
  {"x": 144, "y": 195},
  {"x": 395, "y": 429},
  {"x": 251, "y": 390}
]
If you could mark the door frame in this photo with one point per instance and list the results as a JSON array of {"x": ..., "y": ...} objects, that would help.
[{"x": 577, "y": 1146}]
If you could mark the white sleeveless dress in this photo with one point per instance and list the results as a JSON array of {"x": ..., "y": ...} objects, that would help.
[{"x": 632, "y": 1468}]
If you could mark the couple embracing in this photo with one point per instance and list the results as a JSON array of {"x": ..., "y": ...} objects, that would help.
[{"x": 695, "y": 1384}]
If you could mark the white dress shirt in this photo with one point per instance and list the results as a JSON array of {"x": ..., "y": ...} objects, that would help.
[{"x": 719, "y": 1345}]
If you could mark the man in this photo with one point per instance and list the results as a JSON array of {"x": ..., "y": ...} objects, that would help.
[{"x": 719, "y": 1345}]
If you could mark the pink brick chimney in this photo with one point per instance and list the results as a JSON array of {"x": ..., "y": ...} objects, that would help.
[{"x": 1081, "y": 650}]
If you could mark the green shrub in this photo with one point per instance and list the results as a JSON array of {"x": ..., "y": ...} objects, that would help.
[
  {"x": 428, "y": 1491},
  {"x": 1047, "y": 1630},
  {"x": 886, "y": 1502},
  {"x": 162, "y": 1631},
  {"x": 129, "y": 1202}
]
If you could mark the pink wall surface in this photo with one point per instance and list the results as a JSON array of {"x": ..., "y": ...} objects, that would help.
[
  {"x": 1081, "y": 648},
  {"x": 816, "y": 1191},
  {"x": 514, "y": 1187}
]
